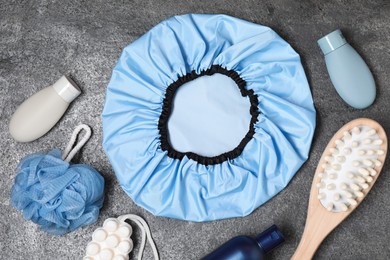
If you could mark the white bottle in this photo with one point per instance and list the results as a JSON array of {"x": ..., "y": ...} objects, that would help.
[{"x": 39, "y": 113}]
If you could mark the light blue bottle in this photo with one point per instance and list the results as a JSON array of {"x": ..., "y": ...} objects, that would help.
[{"x": 347, "y": 70}]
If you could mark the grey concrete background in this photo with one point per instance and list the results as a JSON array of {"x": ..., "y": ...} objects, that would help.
[{"x": 41, "y": 40}]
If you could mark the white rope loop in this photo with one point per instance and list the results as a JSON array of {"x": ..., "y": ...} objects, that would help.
[
  {"x": 69, "y": 153},
  {"x": 145, "y": 233}
]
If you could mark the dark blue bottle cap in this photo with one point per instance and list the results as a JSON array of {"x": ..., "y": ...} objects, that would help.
[{"x": 270, "y": 238}]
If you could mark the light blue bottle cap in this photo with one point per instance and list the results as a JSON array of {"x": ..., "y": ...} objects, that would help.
[{"x": 331, "y": 42}]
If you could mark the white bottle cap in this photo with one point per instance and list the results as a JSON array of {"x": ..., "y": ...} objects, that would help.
[{"x": 67, "y": 89}]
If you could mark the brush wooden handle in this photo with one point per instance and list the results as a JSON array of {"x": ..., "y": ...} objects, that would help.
[
  {"x": 308, "y": 246},
  {"x": 319, "y": 224}
]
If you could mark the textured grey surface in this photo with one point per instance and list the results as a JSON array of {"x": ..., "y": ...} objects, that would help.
[{"x": 41, "y": 40}]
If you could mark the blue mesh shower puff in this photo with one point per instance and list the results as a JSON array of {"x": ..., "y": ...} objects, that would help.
[
  {"x": 184, "y": 184},
  {"x": 58, "y": 196}
]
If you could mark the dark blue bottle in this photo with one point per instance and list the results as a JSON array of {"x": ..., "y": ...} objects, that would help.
[{"x": 247, "y": 248}]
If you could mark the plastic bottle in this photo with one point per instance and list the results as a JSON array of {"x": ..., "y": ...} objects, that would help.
[
  {"x": 248, "y": 248},
  {"x": 39, "y": 113},
  {"x": 348, "y": 72}
]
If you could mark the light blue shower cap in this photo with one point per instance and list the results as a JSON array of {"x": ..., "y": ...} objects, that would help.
[{"x": 182, "y": 183}]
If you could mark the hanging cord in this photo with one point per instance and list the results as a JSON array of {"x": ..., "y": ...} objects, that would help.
[
  {"x": 145, "y": 234},
  {"x": 68, "y": 153}
]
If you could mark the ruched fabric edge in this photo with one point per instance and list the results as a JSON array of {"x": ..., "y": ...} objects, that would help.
[{"x": 167, "y": 109}]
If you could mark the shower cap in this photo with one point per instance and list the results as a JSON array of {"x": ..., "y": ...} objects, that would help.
[{"x": 207, "y": 117}]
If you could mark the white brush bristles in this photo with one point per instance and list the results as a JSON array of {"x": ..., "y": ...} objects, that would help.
[{"x": 349, "y": 168}]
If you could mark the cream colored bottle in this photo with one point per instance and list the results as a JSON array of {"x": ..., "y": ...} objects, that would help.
[{"x": 39, "y": 113}]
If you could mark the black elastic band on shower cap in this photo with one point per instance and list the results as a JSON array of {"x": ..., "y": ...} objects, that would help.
[{"x": 167, "y": 109}]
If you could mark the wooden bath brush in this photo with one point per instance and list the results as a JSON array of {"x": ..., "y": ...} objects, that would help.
[{"x": 347, "y": 170}]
